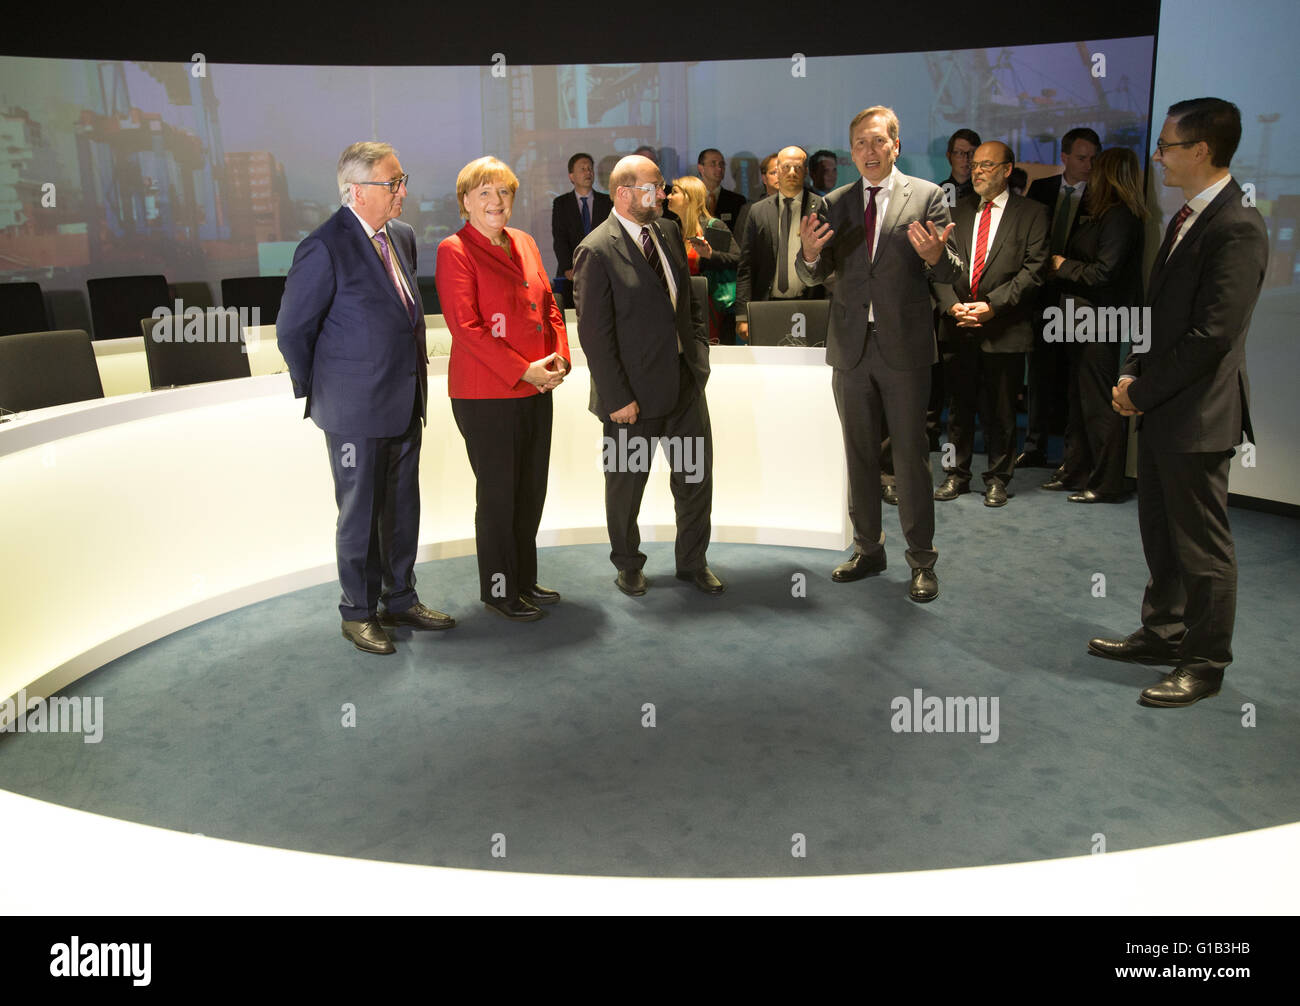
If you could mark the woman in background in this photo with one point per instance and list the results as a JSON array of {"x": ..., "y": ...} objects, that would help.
[
  {"x": 1101, "y": 267},
  {"x": 710, "y": 251},
  {"x": 509, "y": 349}
]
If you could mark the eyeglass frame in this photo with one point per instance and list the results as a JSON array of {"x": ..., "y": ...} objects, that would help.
[
  {"x": 392, "y": 185},
  {"x": 986, "y": 165},
  {"x": 1162, "y": 146}
]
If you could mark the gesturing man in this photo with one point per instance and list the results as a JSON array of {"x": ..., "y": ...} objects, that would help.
[
  {"x": 351, "y": 329},
  {"x": 885, "y": 238},
  {"x": 1191, "y": 392},
  {"x": 647, "y": 344}
]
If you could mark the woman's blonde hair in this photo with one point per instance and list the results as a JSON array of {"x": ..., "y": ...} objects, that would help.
[
  {"x": 480, "y": 172},
  {"x": 696, "y": 215}
]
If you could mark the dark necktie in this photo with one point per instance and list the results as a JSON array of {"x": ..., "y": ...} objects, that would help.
[
  {"x": 652, "y": 256},
  {"x": 586, "y": 215},
  {"x": 869, "y": 220},
  {"x": 381, "y": 242},
  {"x": 783, "y": 248},
  {"x": 981, "y": 249},
  {"x": 1171, "y": 235},
  {"x": 1061, "y": 226}
]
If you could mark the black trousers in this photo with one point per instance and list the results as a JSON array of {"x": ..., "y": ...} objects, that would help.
[
  {"x": 508, "y": 441},
  {"x": 689, "y": 445},
  {"x": 984, "y": 383},
  {"x": 1049, "y": 395},
  {"x": 1190, "y": 602},
  {"x": 1096, "y": 439},
  {"x": 866, "y": 395},
  {"x": 377, "y": 489}
]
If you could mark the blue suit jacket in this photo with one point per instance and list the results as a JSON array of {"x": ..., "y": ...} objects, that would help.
[{"x": 350, "y": 344}]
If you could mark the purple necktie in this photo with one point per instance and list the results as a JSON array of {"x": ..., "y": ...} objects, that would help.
[{"x": 382, "y": 239}]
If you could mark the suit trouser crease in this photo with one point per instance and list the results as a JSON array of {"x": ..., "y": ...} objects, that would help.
[
  {"x": 377, "y": 489},
  {"x": 866, "y": 394},
  {"x": 1190, "y": 601},
  {"x": 508, "y": 442},
  {"x": 692, "y": 500}
]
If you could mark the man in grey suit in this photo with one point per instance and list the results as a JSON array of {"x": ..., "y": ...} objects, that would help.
[
  {"x": 988, "y": 318},
  {"x": 770, "y": 244},
  {"x": 647, "y": 345},
  {"x": 885, "y": 238}
]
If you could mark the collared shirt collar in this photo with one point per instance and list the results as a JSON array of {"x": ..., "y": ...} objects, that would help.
[
  {"x": 1207, "y": 195},
  {"x": 886, "y": 183}
]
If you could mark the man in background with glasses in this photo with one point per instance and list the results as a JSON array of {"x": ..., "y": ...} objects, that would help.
[
  {"x": 646, "y": 339},
  {"x": 1190, "y": 393},
  {"x": 351, "y": 328}
]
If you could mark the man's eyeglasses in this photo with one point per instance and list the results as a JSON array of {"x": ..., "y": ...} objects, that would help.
[
  {"x": 1162, "y": 146},
  {"x": 987, "y": 165},
  {"x": 651, "y": 187},
  {"x": 964, "y": 155},
  {"x": 392, "y": 186}
]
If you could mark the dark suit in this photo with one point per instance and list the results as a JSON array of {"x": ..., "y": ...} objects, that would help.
[
  {"x": 884, "y": 367},
  {"x": 566, "y": 225},
  {"x": 357, "y": 354},
  {"x": 757, "y": 274},
  {"x": 1103, "y": 268},
  {"x": 629, "y": 330},
  {"x": 728, "y": 208},
  {"x": 1192, "y": 389},
  {"x": 987, "y": 364},
  {"x": 1049, "y": 365}
]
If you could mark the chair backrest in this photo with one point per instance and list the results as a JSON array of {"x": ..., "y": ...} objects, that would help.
[
  {"x": 788, "y": 322},
  {"x": 40, "y": 369},
  {"x": 22, "y": 308},
  {"x": 117, "y": 303},
  {"x": 700, "y": 291},
  {"x": 248, "y": 292},
  {"x": 194, "y": 293},
  {"x": 178, "y": 353}
]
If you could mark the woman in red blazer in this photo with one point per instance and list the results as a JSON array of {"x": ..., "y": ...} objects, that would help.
[{"x": 509, "y": 350}]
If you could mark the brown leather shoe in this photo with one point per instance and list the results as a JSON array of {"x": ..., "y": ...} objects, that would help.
[
  {"x": 368, "y": 636},
  {"x": 417, "y": 616},
  {"x": 951, "y": 488}
]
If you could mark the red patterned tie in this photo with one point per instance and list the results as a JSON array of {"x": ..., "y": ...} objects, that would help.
[
  {"x": 981, "y": 246},
  {"x": 869, "y": 220},
  {"x": 1179, "y": 218}
]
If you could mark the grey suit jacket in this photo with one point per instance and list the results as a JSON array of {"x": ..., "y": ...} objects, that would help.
[
  {"x": 896, "y": 281},
  {"x": 1012, "y": 278},
  {"x": 626, "y": 323}
]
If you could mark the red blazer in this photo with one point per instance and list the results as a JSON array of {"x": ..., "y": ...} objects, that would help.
[{"x": 483, "y": 291}]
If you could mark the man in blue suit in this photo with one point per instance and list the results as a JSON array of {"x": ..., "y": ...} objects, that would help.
[{"x": 351, "y": 328}]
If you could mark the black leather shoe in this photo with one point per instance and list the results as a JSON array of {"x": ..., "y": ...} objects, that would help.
[
  {"x": 368, "y": 636},
  {"x": 1181, "y": 688},
  {"x": 1135, "y": 650},
  {"x": 951, "y": 488},
  {"x": 995, "y": 494},
  {"x": 889, "y": 493},
  {"x": 1091, "y": 496},
  {"x": 631, "y": 582},
  {"x": 1061, "y": 482},
  {"x": 515, "y": 608},
  {"x": 858, "y": 567},
  {"x": 418, "y": 617},
  {"x": 925, "y": 585},
  {"x": 704, "y": 580},
  {"x": 1031, "y": 459},
  {"x": 539, "y": 595}
]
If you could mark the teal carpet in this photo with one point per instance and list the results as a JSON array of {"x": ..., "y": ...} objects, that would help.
[{"x": 772, "y": 715}]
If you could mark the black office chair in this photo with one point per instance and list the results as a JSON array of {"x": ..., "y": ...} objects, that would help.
[
  {"x": 788, "y": 322},
  {"x": 700, "y": 291},
  {"x": 174, "y": 362},
  {"x": 22, "y": 308},
  {"x": 248, "y": 292},
  {"x": 117, "y": 303},
  {"x": 195, "y": 293},
  {"x": 40, "y": 369},
  {"x": 429, "y": 294}
]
